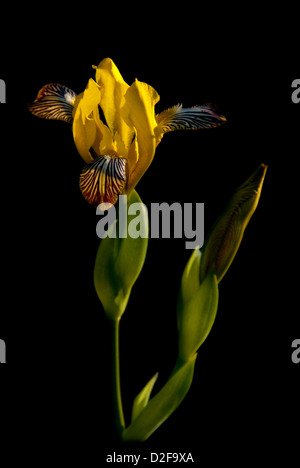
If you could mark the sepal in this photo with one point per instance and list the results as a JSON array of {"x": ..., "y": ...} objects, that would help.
[
  {"x": 190, "y": 118},
  {"x": 103, "y": 180},
  {"x": 55, "y": 102}
]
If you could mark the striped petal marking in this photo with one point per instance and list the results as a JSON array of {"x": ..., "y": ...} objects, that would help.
[
  {"x": 191, "y": 118},
  {"x": 54, "y": 101},
  {"x": 103, "y": 180}
]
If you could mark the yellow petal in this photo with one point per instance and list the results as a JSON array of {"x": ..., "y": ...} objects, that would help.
[
  {"x": 84, "y": 123},
  {"x": 113, "y": 89},
  {"x": 138, "y": 112},
  {"x": 106, "y": 144},
  {"x": 104, "y": 141}
]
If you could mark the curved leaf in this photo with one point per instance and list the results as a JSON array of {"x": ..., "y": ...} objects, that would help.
[
  {"x": 162, "y": 405},
  {"x": 141, "y": 400}
]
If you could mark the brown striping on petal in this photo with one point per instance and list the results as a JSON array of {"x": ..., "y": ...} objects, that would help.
[
  {"x": 192, "y": 118},
  {"x": 54, "y": 101},
  {"x": 103, "y": 180}
]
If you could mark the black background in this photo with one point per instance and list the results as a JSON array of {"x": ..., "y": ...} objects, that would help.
[{"x": 55, "y": 398}]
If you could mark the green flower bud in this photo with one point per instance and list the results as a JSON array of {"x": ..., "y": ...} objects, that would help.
[
  {"x": 119, "y": 261},
  {"x": 225, "y": 237},
  {"x": 197, "y": 308}
]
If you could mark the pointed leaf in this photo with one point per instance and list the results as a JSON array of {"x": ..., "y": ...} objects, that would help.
[
  {"x": 162, "y": 405},
  {"x": 141, "y": 400}
]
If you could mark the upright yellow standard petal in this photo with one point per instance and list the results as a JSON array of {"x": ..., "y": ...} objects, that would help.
[
  {"x": 113, "y": 89},
  {"x": 84, "y": 123},
  {"x": 138, "y": 112}
]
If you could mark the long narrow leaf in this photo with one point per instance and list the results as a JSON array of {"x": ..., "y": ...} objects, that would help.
[{"x": 162, "y": 405}]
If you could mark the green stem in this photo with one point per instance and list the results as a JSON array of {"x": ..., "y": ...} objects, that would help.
[{"x": 120, "y": 422}]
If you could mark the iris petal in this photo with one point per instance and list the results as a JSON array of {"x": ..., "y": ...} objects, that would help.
[
  {"x": 84, "y": 123},
  {"x": 113, "y": 89},
  {"x": 138, "y": 112},
  {"x": 54, "y": 101},
  {"x": 191, "y": 118},
  {"x": 103, "y": 180}
]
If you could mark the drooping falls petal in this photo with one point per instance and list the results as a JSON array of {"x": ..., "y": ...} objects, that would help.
[
  {"x": 113, "y": 89},
  {"x": 103, "y": 180},
  {"x": 138, "y": 112},
  {"x": 54, "y": 101},
  {"x": 191, "y": 118}
]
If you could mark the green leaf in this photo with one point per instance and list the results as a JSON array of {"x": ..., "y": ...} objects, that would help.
[
  {"x": 226, "y": 235},
  {"x": 141, "y": 400},
  {"x": 162, "y": 405},
  {"x": 119, "y": 261},
  {"x": 196, "y": 311},
  {"x": 190, "y": 282}
]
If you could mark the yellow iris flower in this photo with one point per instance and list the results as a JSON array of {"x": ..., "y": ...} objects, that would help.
[{"x": 118, "y": 145}]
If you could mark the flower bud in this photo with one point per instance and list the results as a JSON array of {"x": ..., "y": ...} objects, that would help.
[
  {"x": 119, "y": 261},
  {"x": 225, "y": 237},
  {"x": 196, "y": 309}
]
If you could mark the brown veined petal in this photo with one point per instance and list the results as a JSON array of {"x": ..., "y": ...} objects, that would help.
[
  {"x": 54, "y": 101},
  {"x": 103, "y": 180},
  {"x": 191, "y": 118}
]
